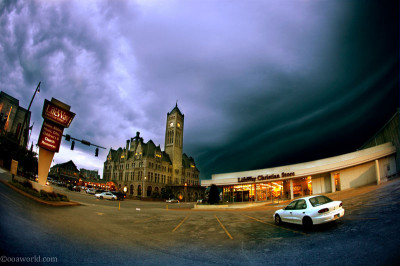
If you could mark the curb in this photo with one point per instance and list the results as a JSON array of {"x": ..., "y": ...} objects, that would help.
[{"x": 49, "y": 203}]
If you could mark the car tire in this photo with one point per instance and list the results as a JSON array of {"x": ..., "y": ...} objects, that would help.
[
  {"x": 101, "y": 197},
  {"x": 307, "y": 222},
  {"x": 278, "y": 220},
  {"x": 112, "y": 198}
]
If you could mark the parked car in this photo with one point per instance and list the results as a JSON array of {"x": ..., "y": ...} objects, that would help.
[
  {"x": 77, "y": 188},
  {"x": 120, "y": 195},
  {"x": 106, "y": 195},
  {"x": 309, "y": 211},
  {"x": 91, "y": 191},
  {"x": 172, "y": 201}
]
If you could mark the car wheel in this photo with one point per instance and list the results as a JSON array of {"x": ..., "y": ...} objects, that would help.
[
  {"x": 278, "y": 220},
  {"x": 112, "y": 198},
  {"x": 307, "y": 222},
  {"x": 101, "y": 197}
]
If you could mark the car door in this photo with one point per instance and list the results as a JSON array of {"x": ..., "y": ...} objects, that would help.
[
  {"x": 299, "y": 211},
  {"x": 287, "y": 212}
]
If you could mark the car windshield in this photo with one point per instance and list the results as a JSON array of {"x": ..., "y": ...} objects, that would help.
[
  {"x": 319, "y": 200},
  {"x": 291, "y": 205}
]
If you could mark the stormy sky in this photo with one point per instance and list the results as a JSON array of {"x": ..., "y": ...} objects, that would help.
[{"x": 261, "y": 83}]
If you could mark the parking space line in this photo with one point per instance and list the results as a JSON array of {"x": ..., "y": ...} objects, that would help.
[
  {"x": 223, "y": 227},
  {"x": 176, "y": 228},
  {"x": 271, "y": 224},
  {"x": 355, "y": 219},
  {"x": 149, "y": 218}
]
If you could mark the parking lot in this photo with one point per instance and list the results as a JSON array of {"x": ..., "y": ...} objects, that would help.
[
  {"x": 176, "y": 220},
  {"x": 137, "y": 232}
]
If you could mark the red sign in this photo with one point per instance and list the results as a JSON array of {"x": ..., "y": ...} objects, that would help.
[
  {"x": 57, "y": 114},
  {"x": 50, "y": 136}
]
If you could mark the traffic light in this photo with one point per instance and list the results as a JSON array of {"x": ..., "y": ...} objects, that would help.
[
  {"x": 72, "y": 145},
  {"x": 96, "y": 153},
  {"x": 67, "y": 137}
]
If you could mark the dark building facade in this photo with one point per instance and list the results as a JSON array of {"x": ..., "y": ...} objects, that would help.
[
  {"x": 65, "y": 171},
  {"x": 12, "y": 117}
]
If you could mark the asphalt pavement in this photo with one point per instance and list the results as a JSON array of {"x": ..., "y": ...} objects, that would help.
[{"x": 132, "y": 232}]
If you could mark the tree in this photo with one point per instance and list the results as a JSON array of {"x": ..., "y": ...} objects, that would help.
[
  {"x": 213, "y": 196},
  {"x": 166, "y": 193},
  {"x": 10, "y": 150}
]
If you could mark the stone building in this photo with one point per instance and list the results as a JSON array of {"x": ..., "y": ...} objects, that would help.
[
  {"x": 89, "y": 174},
  {"x": 12, "y": 116},
  {"x": 143, "y": 169}
]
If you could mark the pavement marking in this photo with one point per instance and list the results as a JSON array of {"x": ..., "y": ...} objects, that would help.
[
  {"x": 145, "y": 220},
  {"x": 176, "y": 228},
  {"x": 100, "y": 213},
  {"x": 354, "y": 219},
  {"x": 271, "y": 224},
  {"x": 223, "y": 227}
]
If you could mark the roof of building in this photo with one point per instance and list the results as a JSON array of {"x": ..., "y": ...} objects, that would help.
[
  {"x": 187, "y": 162},
  {"x": 176, "y": 110},
  {"x": 316, "y": 167},
  {"x": 67, "y": 165},
  {"x": 148, "y": 150}
]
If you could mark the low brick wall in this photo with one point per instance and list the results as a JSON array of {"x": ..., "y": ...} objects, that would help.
[{"x": 35, "y": 185}]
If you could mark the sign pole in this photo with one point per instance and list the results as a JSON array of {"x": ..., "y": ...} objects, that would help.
[{"x": 45, "y": 159}]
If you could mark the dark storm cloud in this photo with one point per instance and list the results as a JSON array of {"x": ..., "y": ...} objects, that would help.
[{"x": 261, "y": 83}]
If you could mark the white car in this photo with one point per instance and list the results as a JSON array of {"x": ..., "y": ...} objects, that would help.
[
  {"x": 172, "y": 201},
  {"x": 106, "y": 195},
  {"x": 91, "y": 191},
  {"x": 310, "y": 210}
]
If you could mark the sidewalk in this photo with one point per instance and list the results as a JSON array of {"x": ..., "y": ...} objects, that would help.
[{"x": 5, "y": 176}]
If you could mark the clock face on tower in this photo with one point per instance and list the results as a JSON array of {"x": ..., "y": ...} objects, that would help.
[{"x": 171, "y": 124}]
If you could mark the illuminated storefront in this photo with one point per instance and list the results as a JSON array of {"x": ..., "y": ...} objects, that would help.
[{"x": 368, "y": 166}]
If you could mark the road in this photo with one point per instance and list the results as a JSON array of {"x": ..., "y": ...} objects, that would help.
[{"x": 146, "y": 233}]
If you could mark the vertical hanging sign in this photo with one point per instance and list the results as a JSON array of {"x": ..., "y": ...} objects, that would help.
[{"x": 56, "y": 116}]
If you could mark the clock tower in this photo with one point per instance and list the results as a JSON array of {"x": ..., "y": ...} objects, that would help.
[{"x": 174, "y": 141}]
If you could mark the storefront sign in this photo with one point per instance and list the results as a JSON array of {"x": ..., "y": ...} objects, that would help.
[
  {"x": 56, "y": 114},
  {"x": 264, "y": 177},
  {"x": 50, "y": 136}
]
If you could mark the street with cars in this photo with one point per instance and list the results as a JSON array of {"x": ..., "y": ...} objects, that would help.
[{"x": 134, "y": 232}]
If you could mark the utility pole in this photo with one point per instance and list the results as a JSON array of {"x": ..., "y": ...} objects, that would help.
[{"x": 26, "y": 114}]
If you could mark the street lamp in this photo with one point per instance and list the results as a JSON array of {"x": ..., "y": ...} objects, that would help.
[{"x": 26, "y": 114}]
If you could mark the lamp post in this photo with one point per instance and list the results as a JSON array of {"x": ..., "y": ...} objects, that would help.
[
  {"x": 143, "y": 188},
  {"x": 185, "y": 190},
  {"x": 26, "y": 114}
]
